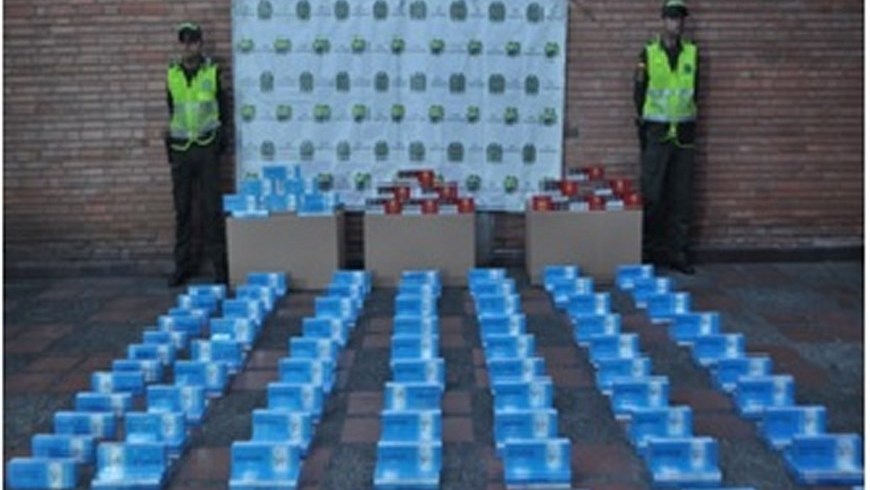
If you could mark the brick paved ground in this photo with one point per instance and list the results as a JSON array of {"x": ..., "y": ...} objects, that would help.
[{"x": 807, "y": 317}]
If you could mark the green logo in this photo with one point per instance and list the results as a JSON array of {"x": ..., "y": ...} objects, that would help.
[
  {"x": 455, "y": 152},
  {"x": 303, "y": 10},
  {"x": 533, "y": 85},
  {"x": 321, "y": 45},
  {"x": 380, "y": 10},
  {"x": 322, "y": 112},
  {"x": 397, "y": 112},
  {"x": 306, "y": 151},
  {"x": 475, "y": 47},
  {"x": 267, "y": 150},
  {"x": 511, "y": 184},
  {"x": 496, "y": 84},
  {"x": 417, "y": 152},
  {"x": 551, "y": 49},
  {"x": 358, "y": 45},
  {"x": 342, "y": 82},
  {"x": 472, "y": 115},
  {"x": 264, "y": 10},
  {"x": 360, "y": 112},
  {"x": 530, "y": 154},
  {"x": 382, "y": 82},
  {"x": 382, "y": 151},
  {"x": 362, "y": 180},
  {"x": 418, "y": 82},
  {"x": 458, "y": 10},
  {"x": 267, "y": 81},
  {"x": 511, "y": 115},
  {"x": 283, "y": 112},
  {"x": 248, "y": 112},
  {"x": 397, "y": 46},
  {"x": 457, "y": 83},
  {"x": 494, "y": 153},
  {"x": 306, "y": 82},
  {"x": 497, "y": 12},
  {"x": 436, "y": 113},
  {"x": 549, "y": 116},
  {"x": 246, "y": 45},
  {"x": 342, "y": 151},
  {"x": 342, "y": 10},
  {"x": 418, "y": 10},
  {"x": 513, "y": 48},
  {"x": 472, "y": 183},
  {"x": 282, "y": 45},
  {"x": 534, "y": 13},
  {"x": 324, "y": 181},
  {"x": 436, "y": 46}
]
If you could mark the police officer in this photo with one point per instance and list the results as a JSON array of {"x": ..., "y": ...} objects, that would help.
[
  {"x": 197, "y": 112},
  {"x": 666, "y": 94}
]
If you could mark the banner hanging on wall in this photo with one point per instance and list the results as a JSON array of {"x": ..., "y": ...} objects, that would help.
[{"x": 361, "y": 89}]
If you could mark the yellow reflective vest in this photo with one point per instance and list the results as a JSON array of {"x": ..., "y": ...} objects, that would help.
[
  {"x": 670, "y": 94},
  {"x": 195, "y": 113}
]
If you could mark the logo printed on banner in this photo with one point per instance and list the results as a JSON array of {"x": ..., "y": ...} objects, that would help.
[
  {"x": 418, "y": 10},
  {"x": 380, "y": 10},
  {"x": 400, "y": 61},
  {"x": 458, "y": 10},
  {"x": 497, "y": 12},
  {"x": 534, "y": 13},
  {"x": 341, "y": 10}
]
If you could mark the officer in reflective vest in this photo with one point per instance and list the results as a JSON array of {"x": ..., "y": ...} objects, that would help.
[
  {"x": 666, "y": 94},
  {"x": 194, "y": 143}
]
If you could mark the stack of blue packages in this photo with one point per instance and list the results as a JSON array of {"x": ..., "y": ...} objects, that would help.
[
  {"x": 278, "y": 191},
  {"x": 813, "y": 456},
  {"x": 525, "y": 420},
  {"x": 88, "y": 434},
  {"x": 282, "y": 431},
  {"x": 661, "y": 433},
  {"x": 409, "y": 450}
]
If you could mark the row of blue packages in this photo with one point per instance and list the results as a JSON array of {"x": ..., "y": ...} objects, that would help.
[
  {"x": 282, "y": 432},
  {"x": 662, "y": 434},
  {"x": 525, "y": 421},
  {"x": 409, "y": 449},
  {"x": 78, "y": 433},
  {"x": 812, "y": 455},
  {"x": 133, "y": 463},
  {"x": 156, "y": 435}
]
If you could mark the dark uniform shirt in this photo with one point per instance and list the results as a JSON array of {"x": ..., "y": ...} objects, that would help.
[
  {"x": 223, "y": 112},
  {"x": 685, "y": 130}
]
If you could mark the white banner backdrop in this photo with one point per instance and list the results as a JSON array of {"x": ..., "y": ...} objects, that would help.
[{"x": 360, "y": 89}]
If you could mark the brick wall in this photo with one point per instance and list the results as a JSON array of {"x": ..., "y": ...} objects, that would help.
[{"x": 780, "y": 154}]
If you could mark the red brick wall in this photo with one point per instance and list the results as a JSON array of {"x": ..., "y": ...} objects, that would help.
[{"x": 780, "y": 155}]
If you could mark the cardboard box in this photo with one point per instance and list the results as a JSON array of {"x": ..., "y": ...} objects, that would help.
[
  {"x": 310, "y": 249},
  {"x": 397, "y": 243},
  {"x": 597, "y": 241}
]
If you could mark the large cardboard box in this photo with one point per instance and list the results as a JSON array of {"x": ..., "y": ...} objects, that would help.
[
  {"x": 394, "y": 243},
  {"x": 310, "y": 248},
  {"x": 597, "y": 241}
]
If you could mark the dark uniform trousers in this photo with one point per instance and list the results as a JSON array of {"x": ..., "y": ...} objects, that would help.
[
  {"x": 198, "y": 164},
  {"x": 666, "y": 185}
]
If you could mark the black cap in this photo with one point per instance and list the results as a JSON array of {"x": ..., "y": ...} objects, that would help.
[
  {"x": 674, "y": 9},
  {"x": 189, "y": 32}
]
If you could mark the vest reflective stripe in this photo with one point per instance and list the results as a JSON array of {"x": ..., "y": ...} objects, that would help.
[
  {"x": 195, "y": 107},
  {"x": 670, "y": 95}
]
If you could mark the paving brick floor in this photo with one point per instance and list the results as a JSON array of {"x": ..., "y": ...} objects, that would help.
[{"x": 809, "y": 317}]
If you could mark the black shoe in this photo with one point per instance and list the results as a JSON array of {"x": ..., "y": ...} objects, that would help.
[
  {"x": 178, "y": 277},
  {"x": 683, "y": 266}
]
